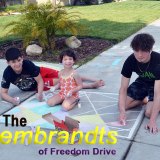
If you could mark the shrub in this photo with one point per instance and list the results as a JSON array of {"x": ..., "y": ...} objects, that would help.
[{"x": 43, "y": 22}]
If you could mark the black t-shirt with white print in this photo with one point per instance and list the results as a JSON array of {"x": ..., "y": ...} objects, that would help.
[
  {"x": 147, "y": 72},
  {"x": 25, "y": 80}
]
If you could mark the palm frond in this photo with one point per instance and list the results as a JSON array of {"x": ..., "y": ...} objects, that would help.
[{"x": 43, "y": 22}]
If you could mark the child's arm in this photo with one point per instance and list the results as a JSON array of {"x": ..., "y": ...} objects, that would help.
[
  {"x": 6, "y": 97},
  {"x": 40, "y": 86},
  {"x": 5, "y": 84},
  {"x": 78, "y": 81},
  {"x": 52, "y": 89},
  {"x": 57, "y": 86}
]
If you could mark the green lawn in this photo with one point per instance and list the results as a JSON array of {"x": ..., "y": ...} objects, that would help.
[
  {"x": 113, "y": 21},
  {"x": 4, "y": 20},
  {"x": 13, "y": 8}
]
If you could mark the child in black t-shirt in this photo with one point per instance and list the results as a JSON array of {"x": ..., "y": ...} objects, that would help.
[
  {"x": 146, "y": 63},
  {"x": 22, "y": 73}
]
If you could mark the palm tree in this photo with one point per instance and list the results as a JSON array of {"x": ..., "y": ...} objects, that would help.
[{"x": 43, "y": 22}]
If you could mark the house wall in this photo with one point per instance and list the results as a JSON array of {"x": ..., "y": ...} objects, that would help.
[
  {"x": 63, "y": 2},
  {"x": 13, "y": 2}
]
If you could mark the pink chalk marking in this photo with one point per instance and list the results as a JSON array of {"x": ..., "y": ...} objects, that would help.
[{"x": 116, "y": 124}]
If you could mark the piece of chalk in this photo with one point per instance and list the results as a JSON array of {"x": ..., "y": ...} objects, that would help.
[
  {"x": 79, "y": 105},
  {"x": 17, "y": 98},
  {"x": 69, "y": 94},
  {"x": 123, "y": 123}
]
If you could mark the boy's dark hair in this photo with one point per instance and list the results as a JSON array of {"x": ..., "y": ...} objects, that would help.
[
  {"x": 69, "y": 53},
  {"x": 143, "y": 42},
  {"x": 12, "y": 54}
]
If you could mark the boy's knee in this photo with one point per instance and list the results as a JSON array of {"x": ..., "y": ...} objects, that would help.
[{"x": 148, "y": 113}]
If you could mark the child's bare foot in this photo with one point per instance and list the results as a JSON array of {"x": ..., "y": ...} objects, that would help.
[{"x": 98, "y": 84}]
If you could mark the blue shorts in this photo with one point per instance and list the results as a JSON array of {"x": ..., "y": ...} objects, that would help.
[{"x": 139, "y": 90}]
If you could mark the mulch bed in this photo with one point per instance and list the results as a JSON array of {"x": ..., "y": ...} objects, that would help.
[{"x": 89, "y": 48}]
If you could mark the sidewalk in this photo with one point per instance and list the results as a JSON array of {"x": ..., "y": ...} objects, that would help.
[{"x": 106, "y": 66}]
